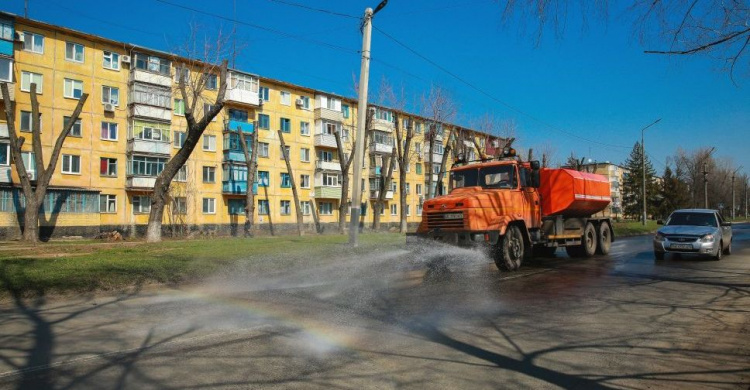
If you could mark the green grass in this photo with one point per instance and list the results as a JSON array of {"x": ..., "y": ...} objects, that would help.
[
  {"x": 633, "y": 228},
  {"x": 85, "y": 266}
]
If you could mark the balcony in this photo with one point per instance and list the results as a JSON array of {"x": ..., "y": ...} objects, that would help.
[
  {"x": 148, "y": 146},
  {"x": 4, "y": 130},
  {"x": 328, "y": 165},
  {"x": 151, "y": 78},
  {"x": 6, "y": 47},
  {"x": 234, "y": 155},
  {"x": 325, "y": 140},
  {"x": 11, "y": 92},
  {"x": 388, "y": 195},
  {"x": 436, "y": 157},
  {"x": 151, "y": 112},
  {"x": 135, "y": 182},
  {"x": 326, "y": 192},
  {"x": 233, "y": 125},
  {"x": 328, "y": 114},
  {"x": 237, "y": 187},
  {"x": 242, "y": 96},
  {"x": 377, "y": 147},
  {"x": 5, "y": 174},
  {"x": 381, "y": 125},
  {"x": 376, "y": 171}
]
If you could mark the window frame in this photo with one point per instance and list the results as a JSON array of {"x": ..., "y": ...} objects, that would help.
[
  {"x": 32, "y": 35},
  {"x": 10, "y": 70},
  {"x": 72, "y": 83},
  {"x": 70, "y": 159},
  {"x": 75, "y": 45},
  {"x": 303, "y": 178},
  {"x": 107, "y": 199},
  {"x": 209, "y": 172},
  {"x": 208, "y": 138},
  {"x": 285, "y": 98},
  {"x": 114, "y": 58},
  {"x": 109, "y": 131},
  {"x": 78, "y": 123},
  {"x": 110, "y": 165},
  {"x": 211, "y": 202},
  {"x": 285, "y": 209},
  {"x": 39, "y": 86},
  {"x": 110, "y": 89}
]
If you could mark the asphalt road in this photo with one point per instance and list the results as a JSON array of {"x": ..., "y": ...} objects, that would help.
[{"x": 389, "y": 321}]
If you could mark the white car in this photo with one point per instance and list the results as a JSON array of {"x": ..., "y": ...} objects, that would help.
[{"x": 694, "y": 231}]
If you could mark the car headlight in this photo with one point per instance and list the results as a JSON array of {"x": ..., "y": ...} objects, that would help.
[
  {"x": 707, "y": 238},
  {"x": 659, "y": 237}
]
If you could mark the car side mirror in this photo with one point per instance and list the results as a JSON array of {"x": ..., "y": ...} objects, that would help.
[
  {"x": 726, "y": 224},
  {"x": 659, "y": 222}
]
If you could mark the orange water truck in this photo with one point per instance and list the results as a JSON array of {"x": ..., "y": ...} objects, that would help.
[{"x": 518, "y": 210}]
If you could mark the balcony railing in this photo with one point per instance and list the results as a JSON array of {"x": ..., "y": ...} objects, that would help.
[
  {"x": 388, "y": 195},
  {"x": 328, "y": 165},
  {"x": 326, "y": 192},
  {"x": 4, "y": 130},
  {"x": 376, "y": 171},
  {"x": 382, "y": 125},
  {"x": 237, "y": 187},
  {"x": 377, "y": 147},
  {"x": 325, "y": 140},
  {"x": 234, "y": 155},
  {"x": 136, "y": 145},
  {"x": 5, "y": 174},
  {"x": 150, "y": 77},
  {"x": 328, "y": 114},
  {"x": 235, "y": 125},
  {"x": 152, "y": 112},
  {"x": 11, "y": 91},
  {"x": 140, "y": 182},
  {"x": 436, "y": 157},
  {"x": 239, "y": 95}
]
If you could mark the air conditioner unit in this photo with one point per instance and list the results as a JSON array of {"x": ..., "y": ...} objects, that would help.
[
  {"x": 109, "y": 107},
  {"x": 125, "y": 59},
  {"x": 299, "y": 102},
  {"x": 19, "y": 37}
]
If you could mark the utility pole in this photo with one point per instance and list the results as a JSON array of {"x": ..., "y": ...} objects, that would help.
[
  {"x": 359, "y": 150},
  {"x": 733, "y": 175},
  {"x": 643, "y": 163},
  {"x": 746, "y": 197},
  {"x": 705, "y": 185}
]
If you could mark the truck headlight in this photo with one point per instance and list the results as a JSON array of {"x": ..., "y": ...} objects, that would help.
[
  {"x": 659, "y": 237},
  {"x": 707, "y": 238}
]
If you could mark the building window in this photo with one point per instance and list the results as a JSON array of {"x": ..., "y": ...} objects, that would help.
[
  {"x": 73, "y": 52},
  {"x": 179, "y": 107},
  {"x": 211, "y": 81},
  {"x": 75, "y": 130},
  {"x": 263, "y": 149},
  {"x": 264, "y": 93},
  {"x": 33, "y": 42},
  {"x": 28, "y": 78},
  {"x": 264, "y": 121},
  {"x": 419, "y": 189},
  {"x": 305, "y": 206},
  {"x": 394, "y": 186},
  {"x": 418, "y": 128},
  {"x": 408, "y": 210},
  {"x": 305, "y": 100},
  {"x": 286, "y": 98},
  {"x": 107, "y": 203},
  {"x": 208, "y": 107},
  {"x": 6, "y": 69},
  {"x": 209, "y": 206},
  {"x": 285, "y": 151},
  {"x": 141, "y": 204},
  {"x": 108, "y": 166},
  {"x": 286, "y": 125},
  {"x": 4, "y": 153},
  {"x": 151, "y": 95},
  {"x": 238, "y": 115},
  {"x": 331, "y": 179},
  {"x": 28, "y": 161},
  {"x": 408, "y": 188},
  {"x": 110, "y": 95},
  {"x": 262, "y": 207},
  {"x": 26, "y": 121},
  {"x": 71, "y": 164},
  {"x": 263, "y": 179},
  {"x": 236, "y": 206},
  {"x": 419, "y": 168},
  {"x": 209, "y": 174},
  {"x": 304, "y": 128},
  {"x": 345, "y": 111},
  {"x": 111, "y": 60},
  {"x": 286, "y": 180},
  {"x": 286, "y": 207},
  {"x": 152, "y": 64},
  {"x": 304, "y": 154},
  {"x": 419, "y": 209},
  {"x": 146, "y": 166},
  {"x": 109, "y": 131},
  {"x": 326, "y": 208},
  {"x": 179, "y": 138},
  {"x": 325, "y": 155},
  {"x": 181, "y": 174},
  {"x": 209, "y": 143},
  {"x": 179, "y": 205},
  {"x": 304, "y": 181},
  {"x": 394, "y": 209},
  {"x": 243, "y": 82},
  {"x": 72, "y": 88}
]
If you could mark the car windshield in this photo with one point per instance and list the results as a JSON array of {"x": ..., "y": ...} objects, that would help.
[
  {"x": 692, "y": 219},
  {"x": 498, "y": 176}
]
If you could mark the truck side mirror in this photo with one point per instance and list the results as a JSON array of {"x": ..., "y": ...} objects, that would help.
[
  {"x": 535, "y": 165},
  {"x": 535, "y": 179}
]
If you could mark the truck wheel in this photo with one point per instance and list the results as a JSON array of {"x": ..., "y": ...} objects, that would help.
[
  {"x": 605, "y": 239},
  {"x": 510, "y": 252},
  {"x": 588, "y": 243}
]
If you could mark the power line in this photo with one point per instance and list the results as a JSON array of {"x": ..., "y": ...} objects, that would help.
[
  {"x": 483, "y": 92},
  {"x": 263, "y": 28},
  {"x": 325, "y": 11}
]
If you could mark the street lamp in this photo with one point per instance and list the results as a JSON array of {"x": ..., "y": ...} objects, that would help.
[
  {"x": 643, "y": 163},
  {"x": 359, "y": 150},
  {"x": 733, "y": 175}
]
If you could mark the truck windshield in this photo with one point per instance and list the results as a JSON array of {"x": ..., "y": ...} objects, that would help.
[{"x": 498, "y": 176}]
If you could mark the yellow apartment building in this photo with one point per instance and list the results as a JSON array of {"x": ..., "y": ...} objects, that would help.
[{"x": 133, "y": 122}]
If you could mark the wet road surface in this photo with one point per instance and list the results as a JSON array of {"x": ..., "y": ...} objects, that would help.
[{"x": 391, "y": 321}]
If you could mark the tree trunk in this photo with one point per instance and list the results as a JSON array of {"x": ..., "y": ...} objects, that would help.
[
  {"x": 385, "y": 184},
  {"x": 156, "y": 215},
  {"x": 251, "y": 162},
  {"x": 431, "y": 142},
  {"x": 294, "y": 185},
  {"x": 403, "y": 226},
  {"x": 316, "y": 218},
  {"x": 403, "y": 149},
  {"x": 268, "y": 201},
  {"x": 444, "y": 161},
  {"x": 31, "y": 221}
]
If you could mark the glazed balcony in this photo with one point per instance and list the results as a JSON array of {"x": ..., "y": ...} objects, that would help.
[
  {"x": 327, "y": 192},
  {"x": 237, "y": 187},
  {"x": 377, "y": 147},
  {"x": 328, "y": 165},
  {"x": 148, "y": 146},
  {"x": 150, "y": 77},
  {"x": 235, "y": 125},
  {"x": 325, "y": 140},
  {"x": 388, "y": 195},
  {"x": 5, "y": 174},
  {"x": 382, "y": 125}
]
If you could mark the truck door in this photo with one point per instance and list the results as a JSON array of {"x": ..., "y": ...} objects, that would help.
[{"x": 532, "y": 208}]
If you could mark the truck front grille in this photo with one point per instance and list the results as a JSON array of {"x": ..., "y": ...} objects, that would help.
[{"x": 439, "y": 221}]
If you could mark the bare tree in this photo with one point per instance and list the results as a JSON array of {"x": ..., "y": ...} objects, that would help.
[
  {"x": 440, "y": 108},
  {"x": 34, "y": 195},
  {"x": 292, "y": 182},
  {"x": 193, "y": 74},
  {"x": 403, "y": 143},
  {"x": 346, "y": 162},
  {"x": 444, "y": 162},
  {"x": 384, "y": 184},
  {"x": 251, "y": 162}
]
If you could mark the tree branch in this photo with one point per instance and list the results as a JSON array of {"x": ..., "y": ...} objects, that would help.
[{"x": 702, "y": 47}]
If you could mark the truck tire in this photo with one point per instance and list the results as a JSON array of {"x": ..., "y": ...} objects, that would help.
[
  {"x": 604, "y": 239},
  {"x": 510, "y": 252},
  {"x": 588, "y": 241}
]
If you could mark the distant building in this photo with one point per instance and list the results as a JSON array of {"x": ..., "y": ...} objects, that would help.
[{"x": 615, "y": 173}]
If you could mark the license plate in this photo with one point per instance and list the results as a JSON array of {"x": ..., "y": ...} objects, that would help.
[
  {"x": 453, "y": 216},
  {"x": 681, "y": 246}
]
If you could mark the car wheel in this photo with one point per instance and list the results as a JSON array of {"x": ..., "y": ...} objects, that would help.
[
  {"x": 659, "y": 255},
  {"x": 728, "y": 249},
  {"x": 719, "y": 251}
]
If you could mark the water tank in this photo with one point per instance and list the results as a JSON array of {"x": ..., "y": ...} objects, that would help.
[{"x": 573, "y": 194}]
